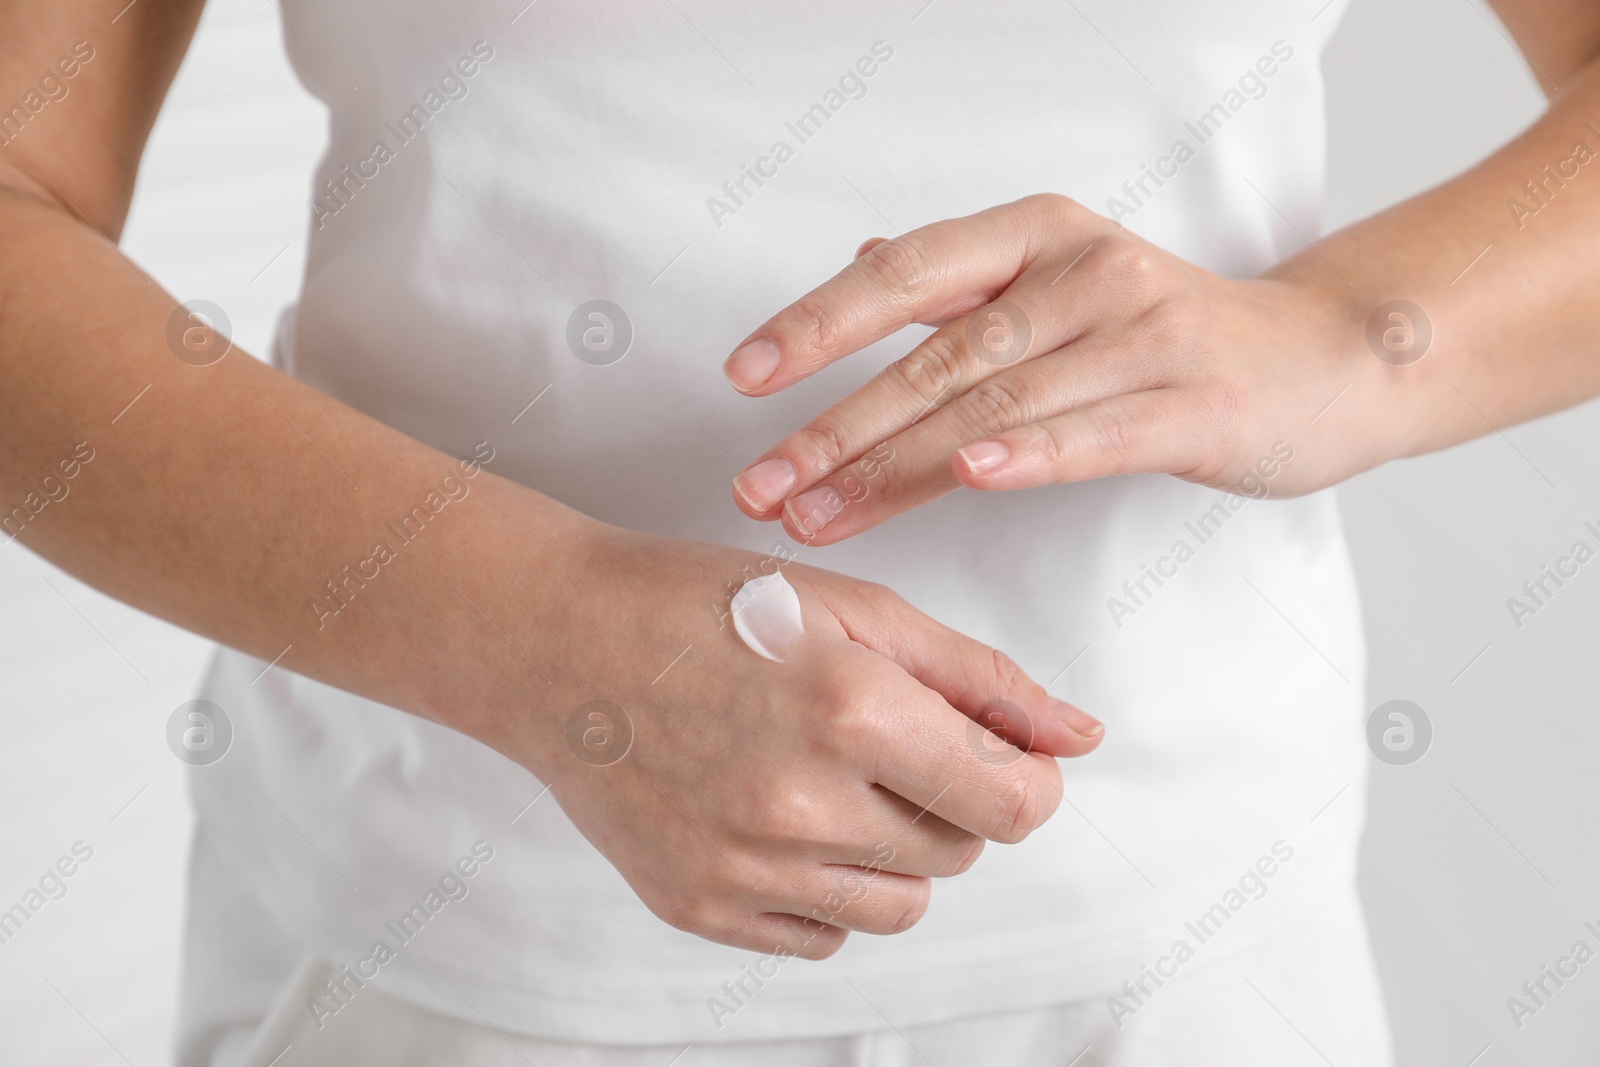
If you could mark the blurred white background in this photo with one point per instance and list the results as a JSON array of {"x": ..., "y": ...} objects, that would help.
[{"x": 1476, "y": 869}]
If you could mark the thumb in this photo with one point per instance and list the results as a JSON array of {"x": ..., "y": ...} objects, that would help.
[{"x": 982, "y": 683}]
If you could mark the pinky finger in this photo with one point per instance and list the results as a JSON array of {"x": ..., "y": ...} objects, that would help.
[{"x": 1135, "y": 433}]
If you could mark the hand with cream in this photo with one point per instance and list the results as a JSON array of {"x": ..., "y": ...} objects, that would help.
[
  {"x": 766, "y": 616},
  {"x": 793, "y": 768}
]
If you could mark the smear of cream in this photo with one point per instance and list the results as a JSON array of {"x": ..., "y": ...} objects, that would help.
[{"x": 766, "y": 616}]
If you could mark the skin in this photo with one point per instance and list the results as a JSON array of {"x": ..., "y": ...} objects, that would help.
[
  {"x": 223, "y": 498},
  {"x": 1141, "y": 362}
]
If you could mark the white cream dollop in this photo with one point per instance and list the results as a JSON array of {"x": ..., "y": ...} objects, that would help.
[{"x": 766, "y": 616}]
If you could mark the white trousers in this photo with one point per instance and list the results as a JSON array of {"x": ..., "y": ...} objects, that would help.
[{"x": 1308, "y": 996}]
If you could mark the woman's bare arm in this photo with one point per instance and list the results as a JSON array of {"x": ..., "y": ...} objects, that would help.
[{"x": 225, "y": 496}]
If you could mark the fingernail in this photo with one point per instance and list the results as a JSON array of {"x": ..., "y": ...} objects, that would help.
[
  {"x": 814, "y": 509},
  {"x": 766, "y": 483},
  {"x": 984, "y": 456},
  {"x": 752, "y": 364},
  {"x": 1078, "y": 721}
]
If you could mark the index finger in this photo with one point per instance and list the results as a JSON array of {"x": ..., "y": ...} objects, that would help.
[{"x": 932, "y": 274}]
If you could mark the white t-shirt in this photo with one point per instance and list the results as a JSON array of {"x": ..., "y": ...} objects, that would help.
[{"x": 534, "y": 159}]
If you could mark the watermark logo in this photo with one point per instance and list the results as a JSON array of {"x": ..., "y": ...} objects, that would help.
[
  {"x": 1000, "y": 333},
  {"x": 199, "y": 733},
  {"x": 199, "y": 333},
  {"x": 599, "y": 733},
  {"x": 987, "y": 733},
  {"x": 1399, "y": 332},
  {"x": 599, "y": 333},
  {"x": 1399, "y": 732}
]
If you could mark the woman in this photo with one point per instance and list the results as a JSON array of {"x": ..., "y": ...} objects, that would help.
[{"x": 473, "y": 539}]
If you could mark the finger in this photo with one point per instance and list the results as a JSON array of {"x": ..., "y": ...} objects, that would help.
[
  {"x": 980, "y": 367},
  {"x": 903, "y": 838},
  {"x": 913, "y": 467},
  {"x": 1157, "y": 431},
  {"x": 873, "y": 828},
  {"x": 933, "y": 273},
  {"x": 783, "y": 935},
  {"x": 866, "y": 900},
  {"x": 1031, "y": 318},
  {"x": 988, "y": 687},
  {"x": 941, "y": 762},
  {"x": 907, "y": 738},
  {"x": 868, "y": 245},
  {"x": 954, "y": 771},
  {"x": 975, "y": 679},
  {"x": 873, "y": 242}
]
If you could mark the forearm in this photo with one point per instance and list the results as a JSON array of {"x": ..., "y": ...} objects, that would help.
[
  {"x": 243, "y": 505},
  {"x": 1504, "y": 263}
]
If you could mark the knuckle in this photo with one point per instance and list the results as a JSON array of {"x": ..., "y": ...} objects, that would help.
[
  {"x": 1173, "y": 322},
  {"x": 869, "y": 477},
  {"x": 1121, "y": 259},
  {"x": 913, "y": 912},
  {"x": 1117, "y": 430},
  {"x": 932, "y": 369},
  {"x": 824, "y": 439},
  {"x": 684, "y": 911},
  {"x": 1052, "y": 443},
  {"x": 835, "y": 695},
  {"x": 817, "y": 321},
  {"x": 881, "y": 594},
  {"x": 1007, "y": 674},
  {"x": 887, "y": 605},
  {"x": 901, "y": 264},
  {"x": 1055, "y": 205},
  {"x": 1017, "y": 811},
  {"x": 998, "y": 404},
  {"x": 820, "y": 944},
  {"x": 963, "y": 858},
  {"x": 857, "y": 730},
  {"x": 780, "y": 812}
]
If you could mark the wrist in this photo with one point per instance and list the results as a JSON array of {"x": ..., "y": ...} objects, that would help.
[
  {"x": 1375, "y": 365},
  {"x": 502, "y": 677}
]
